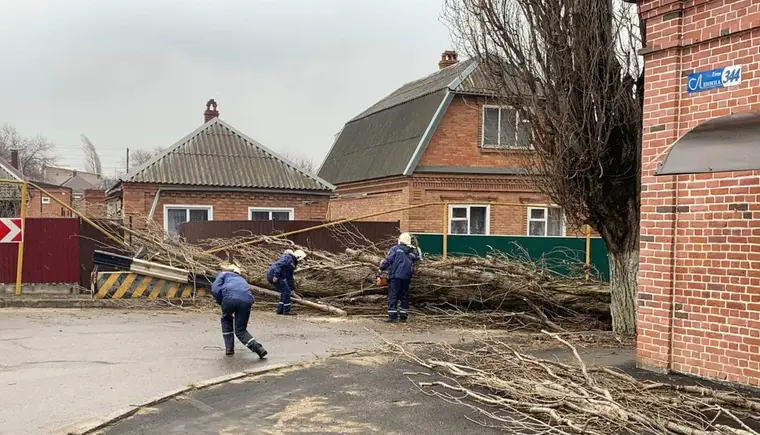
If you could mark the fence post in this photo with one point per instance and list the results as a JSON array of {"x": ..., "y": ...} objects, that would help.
[
  {"x": 445, "y": 229},
  {"x": 20, "y": 261},
  {"x": 587, "y": 266}
]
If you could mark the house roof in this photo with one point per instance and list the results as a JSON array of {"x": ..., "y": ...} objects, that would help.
[
  {"x": 8, "y": 172},
  {"x": 218, "y": 155},
  {"x": 389, "y": 138},
  {"x": 60, "y": 176},
  {"x": 78, "y": 182}
]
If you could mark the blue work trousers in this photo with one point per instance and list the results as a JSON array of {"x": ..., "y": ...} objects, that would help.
[
  {"x": 235, "y": 315},
  {"x": 398, "y": 298},
  {"x": 285, "y": 303}
]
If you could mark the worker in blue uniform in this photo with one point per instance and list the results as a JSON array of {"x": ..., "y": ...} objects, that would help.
[
  {"x": 232, "y": 292},
  {"x": 400, "y": 264},
  {"x": 280, "y": 275}
]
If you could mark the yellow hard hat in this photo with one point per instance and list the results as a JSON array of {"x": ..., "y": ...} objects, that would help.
[{"x": 299, "y": 254}]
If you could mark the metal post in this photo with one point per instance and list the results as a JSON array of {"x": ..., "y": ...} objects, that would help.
[
  {"x": 588, "y": 250},
  {"x": 20, "y": 261},
  {"x": 445, "y": 229}
]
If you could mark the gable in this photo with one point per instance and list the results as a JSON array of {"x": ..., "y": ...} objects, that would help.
[
  {"x": 217, "y": 155},
  {"x": 382, "y": 144}
]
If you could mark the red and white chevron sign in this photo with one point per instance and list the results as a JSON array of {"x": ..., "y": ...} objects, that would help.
[{"x": 11, "y": 230}]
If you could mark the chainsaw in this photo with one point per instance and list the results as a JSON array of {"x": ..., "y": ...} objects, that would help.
[{"x": 381, "y": 281}]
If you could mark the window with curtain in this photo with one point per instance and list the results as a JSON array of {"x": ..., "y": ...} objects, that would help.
[
  {"x": 274, "y": 214},
  {"x": 503, "y": 128},
  {"x": 546, "y": 222},
  {"x": 177, "y": 215},
  {"x": 468, "y": 219}
]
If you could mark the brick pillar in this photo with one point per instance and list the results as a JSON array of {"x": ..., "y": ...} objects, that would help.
[
  {"x": 699, "y": 279},
  {"x": 662, "y": 98}
]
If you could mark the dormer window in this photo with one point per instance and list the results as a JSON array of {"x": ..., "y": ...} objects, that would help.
[{"x": 503, "y": 128}]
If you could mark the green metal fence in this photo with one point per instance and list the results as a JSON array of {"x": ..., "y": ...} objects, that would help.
[{"x": 563, "y": 255}]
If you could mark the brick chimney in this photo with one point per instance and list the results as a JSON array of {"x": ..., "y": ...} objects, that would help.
[
  {"x": 14, "y": 159},
  {"x": 448, "y": 58},
  {"x": 211, "y": 111}
]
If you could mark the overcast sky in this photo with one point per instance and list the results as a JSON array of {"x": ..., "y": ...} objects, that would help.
[{"x": 137, "y": 73}]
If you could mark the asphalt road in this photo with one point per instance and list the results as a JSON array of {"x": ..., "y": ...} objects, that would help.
[
  {"x": 347, "y": 395},
  {"x": 62, "y": 367}
]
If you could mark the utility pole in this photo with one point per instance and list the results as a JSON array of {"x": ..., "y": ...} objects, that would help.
[{"x": 127, "y": 160}]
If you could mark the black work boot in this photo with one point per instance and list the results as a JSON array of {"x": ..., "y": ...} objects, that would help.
[
  {"x": 258, "y": 349},
  {"x": 229, "y": 351},
  {"x": 402, "y": 319}
]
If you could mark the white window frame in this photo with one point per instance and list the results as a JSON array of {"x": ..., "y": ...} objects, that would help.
[
  {"x": 168, "y": 207},
  {"x": 468, "y": 206},
  {"x": 291, "y": 211},
  {"x": 546, "y": 220},
  {"x": 45, "y": 200},
  {"x": 514, "y": 146}
]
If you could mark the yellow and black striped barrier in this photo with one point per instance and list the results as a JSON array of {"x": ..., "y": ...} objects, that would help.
[{"x": 128, "y": 285}]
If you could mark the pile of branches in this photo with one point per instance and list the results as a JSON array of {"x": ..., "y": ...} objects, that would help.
[
  {"x": 520, "y": 393},
  {"x": 505, "y": 287}
]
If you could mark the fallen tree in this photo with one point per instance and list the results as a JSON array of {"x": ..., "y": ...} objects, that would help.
[
  {"x": 521, "y": 393},
  {"x": 345, "y": 282}
]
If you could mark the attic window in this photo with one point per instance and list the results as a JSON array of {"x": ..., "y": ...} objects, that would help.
[
  {"x": 503, "y": 128},
  {"x": 46, "y": 200}
]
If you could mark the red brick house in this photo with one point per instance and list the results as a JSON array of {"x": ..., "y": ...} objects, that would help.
[
  {"x": 38, "y": 204},
  {"x": 441, "y": 138},
  {"x": 217, "y": 173},
  {"x": 699, "y": 279}
]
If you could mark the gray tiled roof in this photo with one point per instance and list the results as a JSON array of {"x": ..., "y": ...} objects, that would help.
[
  {"x": 381, "y": 141},
  {"x": 389, "y": 138},
  {"x": 8, "y": 172},
  {"x": 418, "y": 88},
  {"x": 217, "y": 155},
  {"x": 380, "y": 145}
]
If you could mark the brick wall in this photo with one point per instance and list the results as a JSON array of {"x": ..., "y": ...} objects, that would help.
[
  {"x": 358, "y": 199},
  {"x": 475, "y": 190},
  {"x": 457, "y": 142},
  {"x": 138, "y": 199},
  {"x": 94, "y": 203},
  {"x": 363, "y": 198},
  {"x": 699, "y": 281},
  {"x": 36, "y": 207}
]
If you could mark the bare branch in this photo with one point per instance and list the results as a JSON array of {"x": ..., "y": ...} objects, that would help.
[
  {"x": 34, "y": 153},
  {"x": 301, "y": 162}
]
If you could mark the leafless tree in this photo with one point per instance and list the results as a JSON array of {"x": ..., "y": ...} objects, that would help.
[
  {"x": 34, "y": 152},
  {"x": 92, "y": 162},
  {"x": 139, "y": 157},
  {"x": 301, "y": 162},
  {"x": 570, "y": 70}
]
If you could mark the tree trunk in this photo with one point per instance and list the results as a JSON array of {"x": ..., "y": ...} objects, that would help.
[{"x": 624, "y": 271}]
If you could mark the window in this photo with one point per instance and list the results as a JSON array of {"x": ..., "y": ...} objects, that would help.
[
  {"x": 503, "y": 128},
  {"x": 270, "y": 214},
  {"x": 46, "y": 200},
  {"x": 546, "y": 221},
  {"x": 469, "y": 219},
  {"x": 174, "y": 215}
]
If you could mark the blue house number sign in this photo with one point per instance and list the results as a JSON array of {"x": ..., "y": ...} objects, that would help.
[{"x": 714, "y": 79}]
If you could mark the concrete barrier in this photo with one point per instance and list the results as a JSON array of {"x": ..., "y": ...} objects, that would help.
[{"x": 128, "y": 285}]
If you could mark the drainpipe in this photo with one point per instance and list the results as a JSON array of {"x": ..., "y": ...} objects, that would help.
[{"x": 155, "y": 203}]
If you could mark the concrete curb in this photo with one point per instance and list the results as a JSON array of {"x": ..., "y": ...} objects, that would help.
[
  {"x": 90, "y": 426},
  {"x": 76, "y": 303}
]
